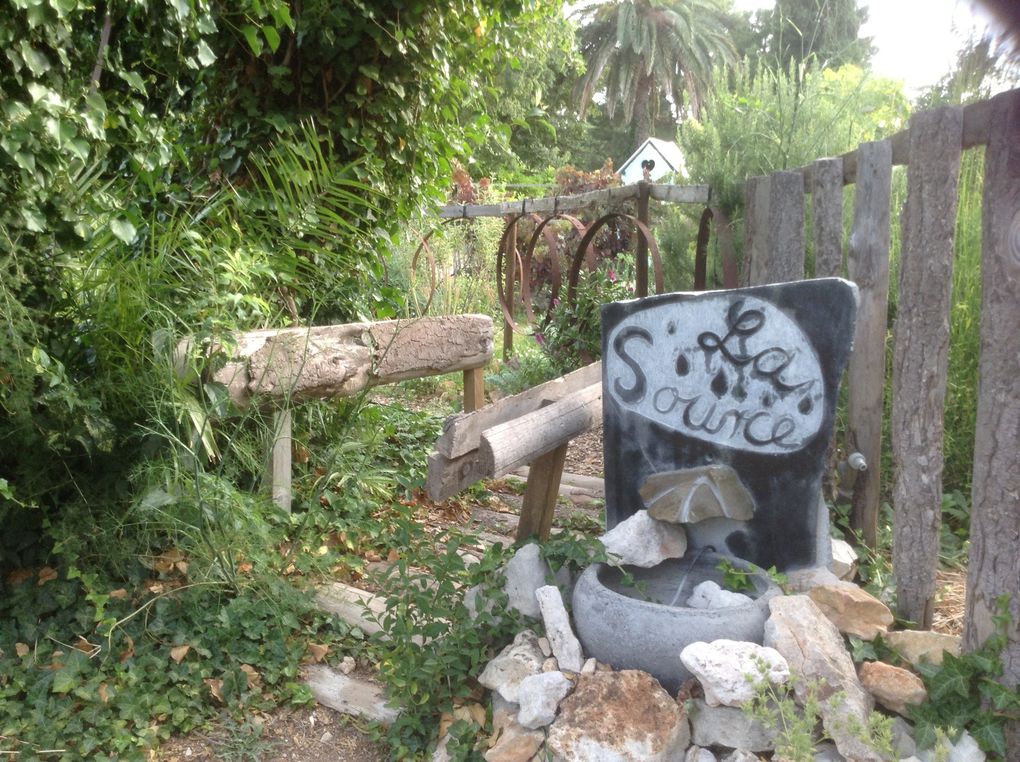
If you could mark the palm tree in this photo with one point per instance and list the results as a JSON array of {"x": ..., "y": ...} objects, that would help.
[{"x": 647, "y": 50}]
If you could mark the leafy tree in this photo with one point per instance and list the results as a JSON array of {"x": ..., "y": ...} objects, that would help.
[
  {"x": 824, "y": 31},
  {"x": 754, "y": 124},
  {"x": 641, "y": 52}
]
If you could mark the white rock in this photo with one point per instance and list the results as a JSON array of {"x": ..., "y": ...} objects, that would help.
[
  {"x": 440, "y": 753},
  {"x": 565, "y": 645},
  {"x": 525, "y": 573},
  {"x": 516, "y": 744},
  {"x": 546, "y": 647},
  {"x": 519, "y": 660},
  {"x": 826, "y": 751},
  {"x": 589, "y": 666},
  {"x": 740, "y": 756},
  {"x": 643, "y": 541},
  {"x": 697, "y": 754},
  {"x": 347, "y": 665},
  {"x": 708, "y": 595},
  {"x": 729, "y": 670},
  {"x": 550, "y": 665},
  {"x": 729, "y": 727},
  {"x": 539, "y": 696},
  {"x": 844, "y": 559}
]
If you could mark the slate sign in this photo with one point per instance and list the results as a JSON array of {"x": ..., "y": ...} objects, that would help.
[{"x": 746, "y": 378}]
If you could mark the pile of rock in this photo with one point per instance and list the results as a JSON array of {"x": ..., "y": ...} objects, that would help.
[{"x": 550, "y": 702}]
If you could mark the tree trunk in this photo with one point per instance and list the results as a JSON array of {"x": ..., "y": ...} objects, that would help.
[{"x": 643, "y": 107}]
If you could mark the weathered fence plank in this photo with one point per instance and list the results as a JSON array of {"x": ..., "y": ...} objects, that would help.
[
  {"x": 994, "y": 568},
  {"x": 539, "y": 506},
  {"x": 281, "y": 459},
  {"x": 920, "y": 356},
  {"x": 868, "y": 267},
  {"x": 518, "y": 442},
  {"x": 774, "y": 230},
  {"x": 827, "y": 216}
]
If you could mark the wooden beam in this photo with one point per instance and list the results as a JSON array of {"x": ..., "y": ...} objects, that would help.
[
  {"x": 462, "y": 432},
  {"x": 785, "y": 228},
  {"x": 281, "y": 463},
  {"x": 920, "y": 356},
  {"x": 521, "y": 441},
  {"x": 474, "y": 389},
  {"x": 449, "y": 476},
  {"x": 540, "y": 495},
  {"x": 675, "y": 194},
  {"x": 868, "y": 266},
  {"x": 341, "y": 360}
]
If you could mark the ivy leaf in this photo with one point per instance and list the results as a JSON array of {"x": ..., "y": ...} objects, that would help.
[
  {"x": 63, "y": 681},
  {"x": 134, "y": 80},
  {"x": 206, "y": 57},
  {"x": 990, "y": 738},
  {"x": 251, "y": 34},
  {"x": 272, "y": 37},
  {"x": 123, "y": 229},
  {"x": 952, "y": 679},
  {"x": 183, "y": 8}
]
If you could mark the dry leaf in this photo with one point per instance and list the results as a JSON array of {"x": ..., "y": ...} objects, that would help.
[
  {"x": 318, "y": 651},
  {"x": 21, "y": 649},
  {"x": 445, "y": 721},
  {"x": 155, "y": 588},
  {"x": 167, "y": 560},
  {"x": 85, "y": 647},
  {"x": 18, "y": 576},
  {"x": 244, "y": 568},
  {"x": 323, "y": 550},
  {"x": 46, "y": 574},
  {"x": 182, "y": 567},
  {"x": 254, "y": 678},
  {"x": 118, "y": 593},
  {"x": 104, "y": 693},
  {"x": 215, "y": 688},
  {"x": 393, "y": 556},
  {"x": 128, "y": 652},
  {"x": 177, "y": 653},
  {"x": 372, "y": 556}
]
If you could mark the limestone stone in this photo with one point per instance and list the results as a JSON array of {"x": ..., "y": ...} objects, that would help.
[
  {"x": 827, "y": 752},
  {"x": 539, "y": 695},
  {"x": 546, "y": 646},
  {"x": 697, "y": 754},
  {"x": 515, "y": 744},
  {"x": 690, "y": 495},
  {"x": 550, "y": 665},
  {"x": 815, "y": 651},
  {"x": 808, "y": 578},
  {"x": 623, "y": 716},
  {"x": 519, "y": 660},
  {"x": 589, "y": 666},
  {"x": 729, "y": 727},
  {"x": 903, "y": 738},
  {"x": 643, "y": 541},
  {"x": 525, "y": 573},
  {"x": 708, "y": 595},
  {"x": 739, "y": 755},
  {"x": 730, "y": 670},
  {"x": 503, "y": 712},
  {"x": 894, "y": 688},
  {"x": 920, "y": 646},
  {"x": 844, "y": 559},
  {"x": 565, "y": 645},
  {"x": 965, "y": 749},
  {"x": 854, "y": 611}
]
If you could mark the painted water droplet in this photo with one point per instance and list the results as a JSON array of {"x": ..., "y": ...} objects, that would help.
[
  {"x": 739, "y": 392},
  {"x": 671, "y": 327},
  {"x": 683, "y": 365},
  {"x": 720, "y": 384},
  {"x": 805, "y": 406},
  {"x": 767, "y": 399}
]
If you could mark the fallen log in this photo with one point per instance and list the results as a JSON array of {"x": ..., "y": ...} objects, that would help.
[{"x": 342, "y": 360}]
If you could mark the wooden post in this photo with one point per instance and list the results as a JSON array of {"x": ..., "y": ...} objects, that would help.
[
  {"x": 774, "y": 229},
  {"x": 540, "y": 495},
  {"x": 641, "y": 263},
  {"x": 786, "y": 227},
  {"x": 868, "y": 266},
  {"x": 994, "y": 566},
  {"x": 920, "y": 356},
  {"x": 508, "y": 289},
  {"x": 281, "y": 459},
  {"x": 827, "y": 214},
  {"x": 474, "y": 389},
  {"x": 756, "y": 214}
]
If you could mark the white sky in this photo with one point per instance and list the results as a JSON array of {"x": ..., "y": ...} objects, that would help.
[{"x": 916, "y": 40}]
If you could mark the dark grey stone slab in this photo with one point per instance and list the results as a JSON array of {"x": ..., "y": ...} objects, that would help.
[{"x": 746, "y": 378}]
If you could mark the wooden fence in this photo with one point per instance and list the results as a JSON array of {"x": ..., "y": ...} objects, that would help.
[{"x": 931, "y": 148}]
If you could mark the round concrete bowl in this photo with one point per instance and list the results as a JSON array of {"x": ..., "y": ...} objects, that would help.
[{"x": 634, "y": 627}]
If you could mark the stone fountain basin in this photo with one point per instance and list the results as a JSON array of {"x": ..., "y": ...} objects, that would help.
[{"x": 634, "y": 627}]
